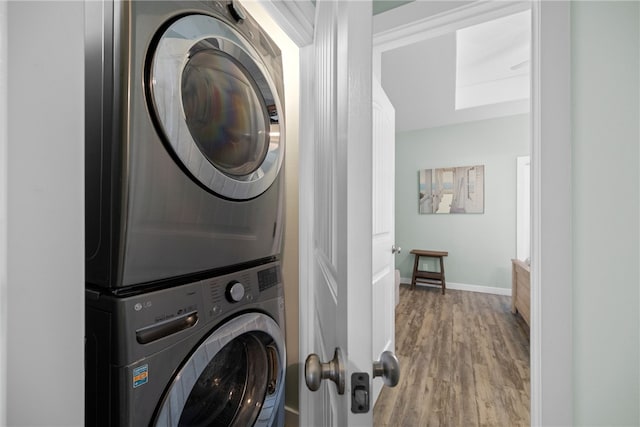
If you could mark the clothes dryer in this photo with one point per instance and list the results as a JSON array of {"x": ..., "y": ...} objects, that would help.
[
  {"x": 209, "y": 353},
  {"x": 184, "y": 142}
]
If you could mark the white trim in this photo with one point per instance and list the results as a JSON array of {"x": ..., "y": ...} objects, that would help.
[
  {"x": 306, "y": 218},
  {"x": 437, "y": 25},
  {"x": 523, "y": 207},
  {"x": 535, "y": 338},
  {"x": 291, "y": 416},
  {"x": 4, "y": 142},
  {"x": 465, "y": 287},
  {"x": 445, "y": 23},
  {"x": 296, "y": 18},
  {"x": 551, "y": 259}
]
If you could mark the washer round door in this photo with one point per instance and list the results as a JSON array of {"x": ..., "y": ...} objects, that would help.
[
  {"x": 217, "y": 106},
  {"x": 234, "y": 378}
]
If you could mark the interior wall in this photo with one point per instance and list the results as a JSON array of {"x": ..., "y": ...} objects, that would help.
[
  {"x": 45, "y": 214},
  {"x": 606, "y": 98},
  {"x": 480, "y": 246},
  {"x": 290, "y": 263}
]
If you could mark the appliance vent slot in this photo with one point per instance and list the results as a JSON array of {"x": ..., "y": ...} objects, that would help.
[
  {"x": 268, "y": 278},
  {"x": 217, "y": 293}
]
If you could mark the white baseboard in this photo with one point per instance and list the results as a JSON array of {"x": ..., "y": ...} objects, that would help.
[
  {"x": 466, "y": 287},
  {"x": 291, "y": 417}
]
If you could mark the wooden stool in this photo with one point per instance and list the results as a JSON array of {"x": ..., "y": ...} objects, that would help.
[{"x": 424, "y": 276}]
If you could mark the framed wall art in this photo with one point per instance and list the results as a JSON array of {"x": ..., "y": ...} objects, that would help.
[{"x": 451, "y": 190}]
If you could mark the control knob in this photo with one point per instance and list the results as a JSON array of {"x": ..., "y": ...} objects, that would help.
[
  {"x": 235, "y": 291},
  {"x": 236, "y": 12}
]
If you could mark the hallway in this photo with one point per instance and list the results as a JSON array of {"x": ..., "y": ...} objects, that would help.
[{"x": 464, "y": 361}]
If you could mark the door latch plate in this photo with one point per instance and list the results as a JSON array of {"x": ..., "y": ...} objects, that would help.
[{"x": 360, "y": 392}]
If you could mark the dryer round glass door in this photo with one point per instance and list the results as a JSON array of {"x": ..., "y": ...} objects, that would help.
[
  {"x": 234, "y": 378},
  {"x": 217, "y": 106}
]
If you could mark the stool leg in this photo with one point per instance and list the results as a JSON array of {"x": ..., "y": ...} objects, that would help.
[
  {"x": 444, "y": 283},
  {"x": 415, "y": 268}
]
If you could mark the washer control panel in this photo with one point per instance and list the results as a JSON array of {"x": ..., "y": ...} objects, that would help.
[
  {"x": 235, "y": 291},
  {"x": 232, "y": 291},
  {"x": 151, "y": 319}
]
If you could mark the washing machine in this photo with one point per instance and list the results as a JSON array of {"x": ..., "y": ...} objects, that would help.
[
  {"x": 207, "y": 353},
  {"x": 184, "y": 142}
]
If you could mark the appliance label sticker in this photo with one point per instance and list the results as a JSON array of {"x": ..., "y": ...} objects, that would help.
[{"x": 140, "y": 375}]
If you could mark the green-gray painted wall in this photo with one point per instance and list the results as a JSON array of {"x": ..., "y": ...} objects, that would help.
[
  {"x": 605, "y": 106},
  {"x": 480, "y": 246}
]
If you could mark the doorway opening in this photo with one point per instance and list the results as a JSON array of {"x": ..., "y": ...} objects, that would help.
[{"x": 484, "y": 103}]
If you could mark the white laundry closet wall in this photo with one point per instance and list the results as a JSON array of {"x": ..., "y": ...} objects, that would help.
[{"x": 44, "y": 306}]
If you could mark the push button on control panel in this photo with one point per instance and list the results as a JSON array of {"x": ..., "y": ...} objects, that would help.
[{"x": 235, "y": 291}]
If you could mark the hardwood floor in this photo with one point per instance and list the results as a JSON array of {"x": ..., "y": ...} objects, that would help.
[{"x": 464, "y": 361}]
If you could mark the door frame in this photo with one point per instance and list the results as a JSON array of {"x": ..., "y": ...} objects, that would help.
[
  {"x": 551, "y": 210},
  {"x": 4, "y": 145},
  {"x": 551, "y": 337}
]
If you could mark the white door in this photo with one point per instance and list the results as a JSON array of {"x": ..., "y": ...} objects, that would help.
[
  {"x": 384, "y": 249},
  {"x": 335, "y": 210}
]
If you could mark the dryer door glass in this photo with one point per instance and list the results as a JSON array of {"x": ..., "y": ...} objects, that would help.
[{"x": 225, "y": 115}]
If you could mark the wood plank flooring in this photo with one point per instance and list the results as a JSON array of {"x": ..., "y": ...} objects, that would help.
[{"x": 464, "y": 361}]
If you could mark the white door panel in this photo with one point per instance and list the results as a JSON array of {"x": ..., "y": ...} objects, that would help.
[
  {"x": 383, "y": 235},
  {"x": 336, "y": 220}
]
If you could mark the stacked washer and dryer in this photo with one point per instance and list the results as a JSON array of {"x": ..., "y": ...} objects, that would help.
[{"x": 184, "y": 216}]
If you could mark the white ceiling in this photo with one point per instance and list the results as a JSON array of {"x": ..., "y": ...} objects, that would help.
[{"x": 420, "y": 79}]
